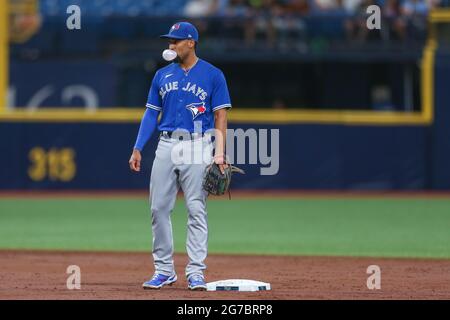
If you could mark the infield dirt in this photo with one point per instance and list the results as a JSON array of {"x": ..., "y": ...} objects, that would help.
[{"x": 105, "y": 275}]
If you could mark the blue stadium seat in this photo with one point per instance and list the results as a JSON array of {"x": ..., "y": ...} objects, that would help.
[
  {"x": 331, "y": 27},
  {"x": 120, "y": 27}
]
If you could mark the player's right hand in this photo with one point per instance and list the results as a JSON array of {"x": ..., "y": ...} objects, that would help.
[{"x": 135, "y": 161}]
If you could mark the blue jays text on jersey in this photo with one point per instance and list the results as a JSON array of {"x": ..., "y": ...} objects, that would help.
[{"x": 184, "y": 96}]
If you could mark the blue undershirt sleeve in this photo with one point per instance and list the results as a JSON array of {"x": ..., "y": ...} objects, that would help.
[{"x": 148, "y": 125}]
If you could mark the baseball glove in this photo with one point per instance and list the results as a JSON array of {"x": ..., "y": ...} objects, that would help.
[{"x": 215, "y": 182}]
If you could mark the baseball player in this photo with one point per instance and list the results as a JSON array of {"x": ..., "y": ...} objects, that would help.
[{"x": 192, "y": 97}]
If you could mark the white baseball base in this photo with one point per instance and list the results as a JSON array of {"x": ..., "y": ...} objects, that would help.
[{"x": 237, "y": 285}]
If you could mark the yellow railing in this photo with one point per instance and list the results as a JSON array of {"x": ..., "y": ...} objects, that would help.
[{"x": 4, "y": 49}]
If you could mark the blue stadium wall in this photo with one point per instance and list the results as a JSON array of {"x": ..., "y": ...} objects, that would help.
[
  {"x": 34, "y": 156},
  {"x": 312, "y": 156}
]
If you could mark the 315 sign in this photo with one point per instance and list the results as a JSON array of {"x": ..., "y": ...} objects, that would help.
[{"x": 53, "y": 164}]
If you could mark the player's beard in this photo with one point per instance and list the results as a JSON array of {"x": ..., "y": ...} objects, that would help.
[{"x": 178, "y": 60}]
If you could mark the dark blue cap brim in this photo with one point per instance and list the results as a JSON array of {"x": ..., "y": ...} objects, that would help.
[{"x": 170, "y": 36}]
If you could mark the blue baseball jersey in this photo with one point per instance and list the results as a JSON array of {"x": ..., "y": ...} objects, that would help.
[{"x": 187, "y": 97}]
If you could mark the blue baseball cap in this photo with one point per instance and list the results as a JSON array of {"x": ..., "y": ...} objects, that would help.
[{"x": 181, "y": 31}]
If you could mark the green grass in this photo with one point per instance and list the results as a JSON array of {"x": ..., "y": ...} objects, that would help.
[{"x": 346, "y": 227}]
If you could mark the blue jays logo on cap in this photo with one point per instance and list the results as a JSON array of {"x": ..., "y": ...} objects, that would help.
[{"x": 181, "y": 31}]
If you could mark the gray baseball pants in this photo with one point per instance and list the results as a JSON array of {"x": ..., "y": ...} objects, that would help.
[{"x": 179, "y": 164}]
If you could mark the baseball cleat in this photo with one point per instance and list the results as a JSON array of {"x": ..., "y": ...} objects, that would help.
[
  {"x": 159, "y": 280},
  {"x": 197, "y": 283}
]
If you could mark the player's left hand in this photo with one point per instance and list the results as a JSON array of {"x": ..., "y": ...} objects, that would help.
[{"x": 220, "y": 160}]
